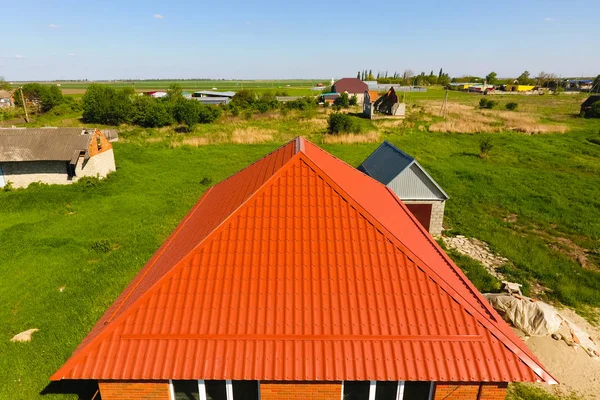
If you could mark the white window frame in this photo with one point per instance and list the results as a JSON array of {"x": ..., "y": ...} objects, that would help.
[
  {"x": 228, "y": 390},
  {"x": 373, "y": 390}
]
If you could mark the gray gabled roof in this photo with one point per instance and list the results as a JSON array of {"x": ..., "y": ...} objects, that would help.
[
  {"x": 387, "y": 162},
  {"x": 43, "y": 144}
]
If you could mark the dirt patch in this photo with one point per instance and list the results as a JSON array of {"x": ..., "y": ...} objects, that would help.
[
  {"x": 252, "y": 135},
  {"x": 477, "y": 250},
  {"x": 370, "y": 137},
  {"x": 577, "y": 372},
  {"x": 573, "y": 251},
  {"x": 512, "y": 218}
]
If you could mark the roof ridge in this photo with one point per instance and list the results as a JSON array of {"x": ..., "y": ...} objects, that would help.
[
  {"x": 477, "y": 314},
  {"x": 175, "y": 267}
]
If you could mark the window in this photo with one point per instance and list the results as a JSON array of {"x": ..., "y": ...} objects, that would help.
[
  {"x": 214, "y": 390},
  {"x": 245, "y": 390},
  {"x": 387, "y": 390},
  {"x": 356, "y": 390},
  {"x": 186, "y": 390},
  {"x": 417, "y": 390}
]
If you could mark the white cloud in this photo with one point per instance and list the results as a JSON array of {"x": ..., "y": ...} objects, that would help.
[
  {"x": 53, "y": 26},
  {"x": 19, "y": 56},
  {"x": 158, "y": 16},
  {"x": 548, "y": 19},
  {"x": 71, "y": 54}
]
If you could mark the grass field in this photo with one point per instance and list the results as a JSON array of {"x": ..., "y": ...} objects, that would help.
[
  {"x": 291, "y": 87},
  {"x": 534, "y": 199}
]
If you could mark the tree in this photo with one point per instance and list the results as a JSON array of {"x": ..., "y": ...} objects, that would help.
[
  {"x": 407, "y": 76},
  {"x": 244, "y": 98},
  {"x": 151, "y": 113},
  {"x": 342, "y": 101},
  {"x": 353, "y": 100},
  {"x": 358, "y": 75},
  {"x": 596, "y": 85},
  {"x": 370, "y": 77},
  {"x": 525, "y": 79},
  {"x": 174, "y": 93},
  {"x": 3, "y": 84},
  {"x": 43, "y": 97},
  {"x": 105, "y": 105},
  {"x": 491, "y": 78},
  {"x": 186, "y": 112},
  {"x": 440, "y": 73}
]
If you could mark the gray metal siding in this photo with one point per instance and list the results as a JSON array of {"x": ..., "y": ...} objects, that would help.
[{"x": 413, "y": 184}]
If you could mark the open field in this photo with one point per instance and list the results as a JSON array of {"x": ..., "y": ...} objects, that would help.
[
  {"x": 292, "y": 87},
  {"x": 535, "y": 199}
]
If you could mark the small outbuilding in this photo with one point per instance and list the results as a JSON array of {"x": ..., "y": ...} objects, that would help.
[
  {"x": 352, "y": 86},
  {"x": 586, "y": 106},
  {"x": 6, "y": 99},
  {"x": 411, "y": 183},
  {"x": 53, "y": 155}
]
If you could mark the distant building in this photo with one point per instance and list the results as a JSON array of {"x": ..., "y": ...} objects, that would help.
[
  {"x": 411, "y": 183},
  {"x": 156, "y": 94},
  {"x": 519, "y": 88},
  {"x": 53, "y": 155},
  {"x": 330, "y": 97},
  {"x": 352, "y": 86},
  {"x": 6, "y": 99},
  {"x": 210, "y": 93},
  {"x": 586, "y": 106}
]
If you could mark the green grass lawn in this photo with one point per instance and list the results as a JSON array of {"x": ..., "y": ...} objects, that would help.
[{"x": 91, "y": 241}]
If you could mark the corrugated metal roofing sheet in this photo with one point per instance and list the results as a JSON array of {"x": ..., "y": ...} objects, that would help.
[
  {"x": 42, "y": 144},
  {"x": 301, "y": 268},
  {"x": 388, "y": 163}
]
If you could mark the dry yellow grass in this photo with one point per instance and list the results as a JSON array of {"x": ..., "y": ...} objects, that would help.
[
  {"x": 251, "y": 135},
  {"x": 467, "y": 119},
  {"x": 390, "y": 123},
  {"x": 190, "y": 141},
  {"x": 463, "y": 126},
  {"x": 154, "y": 139},
  {"x": 370, "y": 137},
  {"x": 318, "y": 123}
]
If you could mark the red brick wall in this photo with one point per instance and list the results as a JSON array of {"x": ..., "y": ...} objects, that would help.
[
  {"x": 493, "y": 391},
  {"x": 93, "y": 147},
  {"x": 470, "y": 391},
  {"x": 127, "y": 390},
  {"x": 301, "y": 390}
]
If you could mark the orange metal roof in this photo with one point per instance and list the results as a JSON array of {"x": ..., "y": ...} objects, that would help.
[{"x": 300, "y": 267}]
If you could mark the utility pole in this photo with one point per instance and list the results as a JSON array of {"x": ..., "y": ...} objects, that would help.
[{"x": 24, "y": 105}]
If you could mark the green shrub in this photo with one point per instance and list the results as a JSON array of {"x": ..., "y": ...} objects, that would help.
[
  {"x": 353, "y": 100},
  {"x": 266, "y": 101},
  {"x": 485, "y": 146},
  {"x": 594, "y": 111},
  {"x": 342, "y": 101},
  {"x": 151, "y": 113},
  {"x": 244, "y": 99},
  {"x": 486, "y": 103},
  {"x": 101, "y": 246},
  {"x": 8, "y": 187},
  {"x": 343, "y": 123},
  {"x": 302, "y": 104},
  {"x": 89, "y": 181},
  {"x": 206, "y": 181},
  {"x": 512, "y": 106},
  {"x": 208, "y": 113},
  {"x": 43, "y": 97}
]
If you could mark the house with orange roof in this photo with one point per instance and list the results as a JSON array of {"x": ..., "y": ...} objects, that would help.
[{"x": 301, "y": 277}]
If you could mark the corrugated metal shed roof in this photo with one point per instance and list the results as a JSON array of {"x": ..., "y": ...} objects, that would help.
[
  {"x": 387, "y": 162},
  {"x": 300, "y": 267},
  {"x": 43, "y": 144},
  {"x": 215, "y": 94}
]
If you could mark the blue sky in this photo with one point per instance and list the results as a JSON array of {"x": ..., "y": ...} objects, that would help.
[{"x": 276, "y": 39}]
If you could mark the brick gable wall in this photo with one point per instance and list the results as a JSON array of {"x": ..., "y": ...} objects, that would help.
[
  {"x": 470, "y": 391},
  {"x": 129, "y": 390}
]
